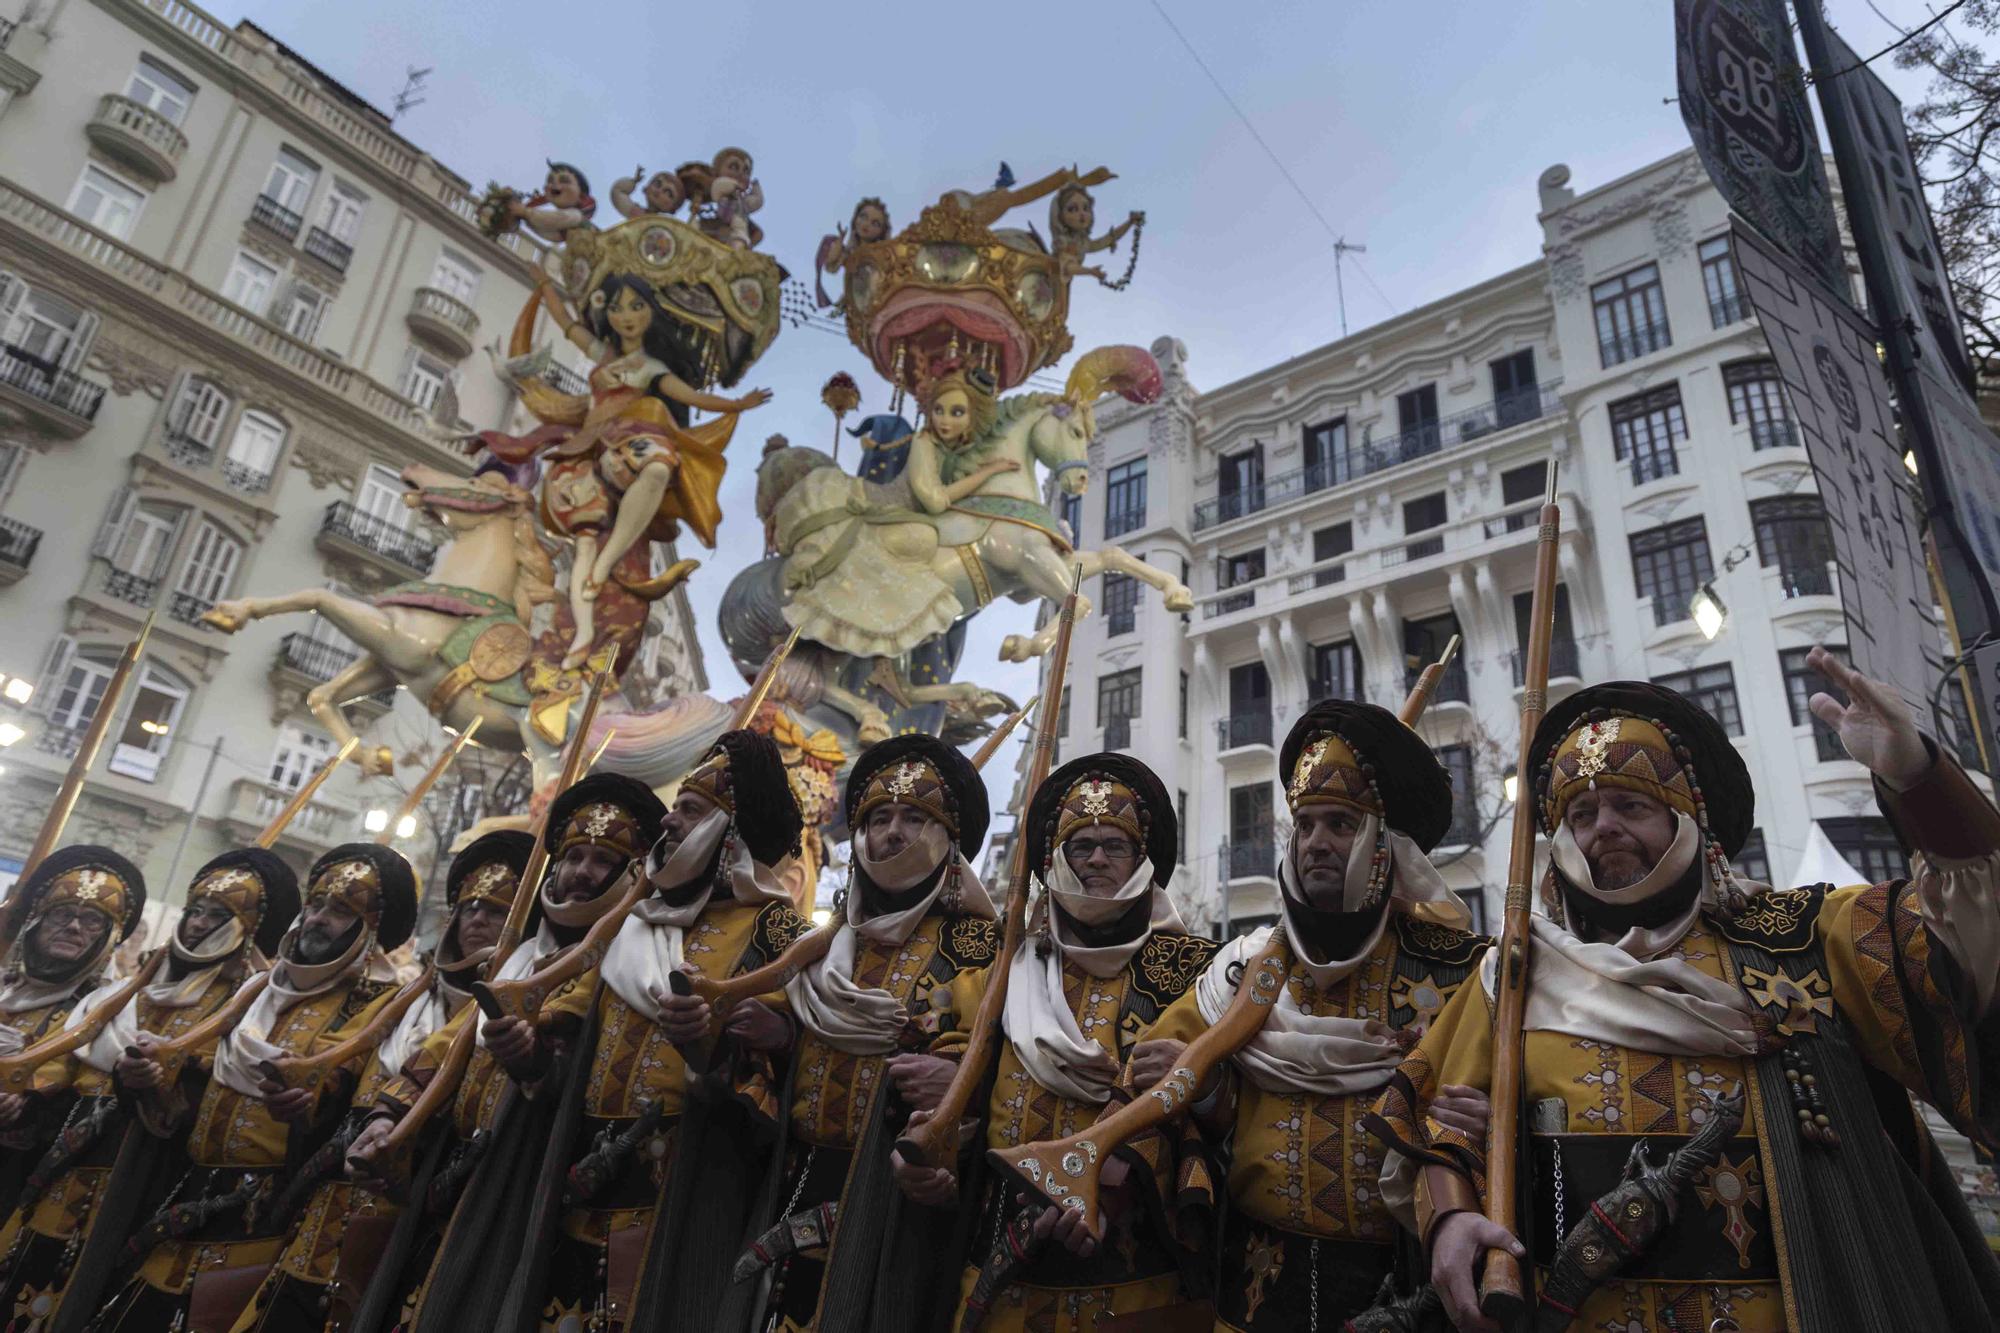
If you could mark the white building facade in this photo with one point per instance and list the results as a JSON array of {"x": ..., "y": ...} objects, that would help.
[
  {"x": 1343, "y": 514},
  {"x": 234, "y": 303}
]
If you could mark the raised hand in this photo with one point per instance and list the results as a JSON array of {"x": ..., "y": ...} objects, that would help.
[{"x": 1874, "y": 725}]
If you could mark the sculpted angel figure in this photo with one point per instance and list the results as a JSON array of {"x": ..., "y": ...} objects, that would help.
[
  {"x": 623, "y": 462},
  {"x": 868, "y": 223},
  {"x": 1072, "y": 213},
  {"x": 664, "y": 194}
]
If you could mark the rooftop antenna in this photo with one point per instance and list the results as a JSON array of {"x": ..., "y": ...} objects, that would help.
[
  {"x": 413, "y": 89},
  {"x": 1340, "y": 249}
]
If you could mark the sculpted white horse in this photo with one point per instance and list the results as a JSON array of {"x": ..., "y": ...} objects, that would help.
[
  {"x": 868, "y": 574},
  {"x": 459, "y": 641}
]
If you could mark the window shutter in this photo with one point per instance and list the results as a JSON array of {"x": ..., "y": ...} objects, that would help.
[
  {"x": 79, "y": 343},
  {"x": 12, "y": 292},
  {"x": 115, "y": 519},
  {"x": 54, "y": 667}
]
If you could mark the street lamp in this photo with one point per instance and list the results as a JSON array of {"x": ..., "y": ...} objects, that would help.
[
  {"x": 9, "y": 733},
  {"x": 406, "y": 827},
  {"x": 1708, "y": 611},
  {"x": 375, "y": 820},
  {"x": 1510, "y": 787},
  {"x": 17, "y": 690}
]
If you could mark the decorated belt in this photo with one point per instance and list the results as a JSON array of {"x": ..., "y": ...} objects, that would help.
[
  {"x": 1723, "y": 1232},
  {"x": 1273, "y": 1278}
]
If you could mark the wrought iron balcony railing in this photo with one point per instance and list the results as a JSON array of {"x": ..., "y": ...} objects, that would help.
[
  {"x": 18, "y": 543},
  {"x": 329, "y": 249},
  {"x": 1243, "y": 729},
  {"x": 47, "y": 381},
  {"x": 344, "y": 521},
  {"x": 1619, "y": 348},
  {"x": 1564, "y": 660},
  {"x": 129, "y": 587},
  {"x": 275, "y": 218}
]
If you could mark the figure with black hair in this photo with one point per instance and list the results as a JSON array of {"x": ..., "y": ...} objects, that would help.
[
  {"x": 623, "y": 462},
  {"x": 562, "y": 205},
  {"x": 1109, "y": 954},
  {"x": 202, "y": 1254},
  {"x": 1378, "y": 944},
  {"x": 1765, "y": 1042},
  {"x": 658, "y": 1179},
  {"x": 839, "y": 1246},
  {"x": 343, "y": 1229}
]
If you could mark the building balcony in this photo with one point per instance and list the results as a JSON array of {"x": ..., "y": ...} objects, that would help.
[
  {"x": 1565, "y": 662},
  {"x": 1241, "y": 729},
  {"x": 60, "y": 741},
  {"x": 129, "y": 761},
  {"x": 346, "y": 531},
  {"x": 1805, "y": 580},
  {"x": 18, "y": 543},
  {"x": 1424, "y": 548},
  {"x": 328, "y": 249},
  {"x": 243, "y": 477},
  {"x": 443, "y": 323},
  {"x": 321, "y": 824},
  {"x": 1229, "y": 603},
  {"x": 186, "y": 450},
  {"x": 303, "y": 662},
  {"x": 133, "y": 588},
  {"x": 1118, "y": 522},
  {"x": 188, "y": 608},
  {"x": 139, "y": 138},
  {"x": 1256, "y": 858},
  {"x": 1619, "y": 348},
  {"x": 53, "y": 400},
  {"x": 275, "y": 218},
  {"x": 1774, "y": 434},
  {"x": 1373, "y": 456},
  {"x": 1727, "y": 310}
]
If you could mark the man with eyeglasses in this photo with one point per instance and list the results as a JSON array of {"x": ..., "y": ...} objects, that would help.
[
  {"x": 1378, "y": 945},
  {"x": 1108, "y": 956}
]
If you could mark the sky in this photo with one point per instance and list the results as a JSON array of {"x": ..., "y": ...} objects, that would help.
[{"x": 1415, "y": 129}]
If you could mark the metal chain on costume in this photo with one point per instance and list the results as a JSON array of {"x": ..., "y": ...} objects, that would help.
[
  {"x": 1131, "y": 264},
  {"x": 791, "y": 1206},
  {"x": 1562, "y": 1229},
  {"x": 1313, "y": 1262}
]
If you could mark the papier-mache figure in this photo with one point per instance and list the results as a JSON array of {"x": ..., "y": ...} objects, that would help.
[
  {"x": 725, "y": 195},
  {"x": 664, "y": 194},
  {"x": 562, "y": 205},
  {"x": 1072, "y": 213},
  {"x": 868, "y": 223}
]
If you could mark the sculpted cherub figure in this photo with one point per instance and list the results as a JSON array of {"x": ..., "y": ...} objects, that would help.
[
  {"x": 1072, "y": 213},
  {"x": 664, "y": 194}
]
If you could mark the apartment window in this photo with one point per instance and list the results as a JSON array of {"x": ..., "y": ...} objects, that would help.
[
  {"x": 1249, "y": 720},
  {"x": 148, "y": 534},
  {"x": 1562, "y": 642},
  {"x": 1117, "y": 705},
  {"x": 149, "y": 727},
  {"x": 49, "y": 329},
  {"x": 1423, "y": 643},
  {"x": 380, "y": 497},
  {"x": 81, "y": 690},
  {"x": 425, "y": 380},
  {"x": 1516, "y": 396},
  {"x": 305, "y": 307},
  {"x": 1668, "y": 564},
  {"x": 1631, "y": 315},
  {"x": 340, "y": 218},
  {"x": 1125, "y": 497},
  {"x": 1335, "y": 669},
  {"x": 1184, "y": 705},
  {"x": 1793, "y": 536},
  {"x": 211, "y": 563},
  {"x": 250, "y": 283},
  {"x": 1062, "y": 713},
  {"x": 456, "y": 276},
  {"x": 159, "y": 89},
  {"x": 1801, "y": 683},
  {"x": 1250, "y": 827},
  {"x": 1643, "y": 431},
  {"x": 1457, "y": 761},
  {"x": 1522, "y": 490},
  {"x": 253, "y": 450},
  {"x": 1754, "y": 862},
  {"x": 1421, "y": 515},
  {"x": 1121, "y": 603},
  {"x": 1870, "y": 846},
  {"x": 1417, "y": 422},
  {"x": 1726, "y": 302},
  {"x": 290, "y": 184},
  {"x": 197, "y": 416},
  {"x": 1236, "y": 570},
  {"x": 1070, "y": 509},
  {"x": 1326, "y": 459},
  {"x": 1239, "y": 483},
  {"x": 297, "y": 756},
  {"x": 1757, "y": 396},
  {"x": 105, "y": 202},
  {"x": 1711, "y": 689},
  {"x": 1329, "y": 544}
]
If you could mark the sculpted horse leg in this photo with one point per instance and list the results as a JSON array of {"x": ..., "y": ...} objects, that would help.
[
  {"x": 1040, "y": 570},
  {"x": 1177, "y": 595},
  {"x": 871, "y": 723},
  {"x": 368, "y": 625},
  {"x": 365, "y": 676}
]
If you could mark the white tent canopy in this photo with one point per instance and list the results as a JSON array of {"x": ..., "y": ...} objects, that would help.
[{"x": 1822, "y": 862}]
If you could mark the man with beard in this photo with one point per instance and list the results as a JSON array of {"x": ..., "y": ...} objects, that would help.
[
  {"x": 1112, "y": 956},
  {"x": 80, "y": 902},
  {"x": 915, "y": 917},
  {"x": 109, "y": 1166},
  {"x": 500, "y": 1186},
  {"x": 341, "y": 1232},
  {"x": 1378, "y": 944},
  {"x": 662, "y": 1178},
  {"x": 202, "y": 1255},
  {"x": 1786, "y": 1028}
]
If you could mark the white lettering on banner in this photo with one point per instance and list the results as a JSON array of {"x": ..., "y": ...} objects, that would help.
[
  {"x": 1923, "y": 285},
  {"x": 1840, "y": 398}
]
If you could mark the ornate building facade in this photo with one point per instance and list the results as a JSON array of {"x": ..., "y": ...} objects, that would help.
[{"x": 234, "y": 304}]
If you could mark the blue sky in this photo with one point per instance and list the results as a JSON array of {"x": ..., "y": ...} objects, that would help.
[{"x": 1417, "y": 129}]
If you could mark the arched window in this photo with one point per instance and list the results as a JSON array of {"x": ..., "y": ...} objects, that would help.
[
  {"x": 211, "y": 564},
  {"x": 253, "y": 451},
  {"x": 194, "y": 424},
  {"x": 152, "y": 724}
]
